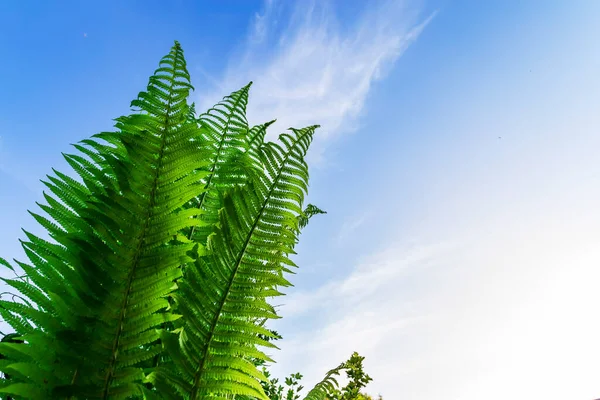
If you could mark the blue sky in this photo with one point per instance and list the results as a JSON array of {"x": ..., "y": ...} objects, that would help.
[{"x": 457, "y": 161}]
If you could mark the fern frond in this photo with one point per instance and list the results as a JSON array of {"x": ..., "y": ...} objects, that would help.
[
  {"x": 309, "y": 212},
  {"x": 327, "y": 386},
  {"x": 224, "y": 294},
  {"x": 163, "y": 255},
  {"x": 224, "y": 127},
  {"x": 100, "y": 289},
  {"x": 192, "y": 112},
  {"x": 256, "y": 138}
]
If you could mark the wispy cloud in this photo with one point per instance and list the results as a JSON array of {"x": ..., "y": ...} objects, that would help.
[
  {"x": 460, "y": 317},
  {"x": 263, "y": 23},
  {"x": 368, "y": 277},
  {"x": 310, "y": 68},
  {"x": 369, "y": 311}
]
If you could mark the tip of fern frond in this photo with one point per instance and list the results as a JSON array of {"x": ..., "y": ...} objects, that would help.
[
  {"x": 310, "y": 127},
  {"x": 6, "y": 264}
]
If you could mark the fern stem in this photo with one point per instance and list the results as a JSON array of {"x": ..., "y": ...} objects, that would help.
[{"x": 151, "y": 201}]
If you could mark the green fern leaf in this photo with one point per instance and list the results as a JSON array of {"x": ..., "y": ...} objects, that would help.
[
  {"x": 224, "y": 127},
  {"x": 223, "y": 295},
  {"x": 309, "y": 212},
  {"x": 327, "y": 386},
  {"x": 100, "y": 289},
  {"x": 255, "y": 139}
]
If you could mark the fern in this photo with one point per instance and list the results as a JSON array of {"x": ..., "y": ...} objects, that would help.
[
  {"x": 223, "y": 135},
  {"x": 327, "y": 386},
  {"x": 227, "y": 289},
  {"x": 98, "y": 289},
  {"x": 310, "y": 211},
  {"x": 256, "y": 138},
  {"x": 163, "y": 255}
]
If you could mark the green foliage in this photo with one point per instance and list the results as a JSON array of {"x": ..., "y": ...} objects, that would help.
[
  {"x": 275, "y": 391},
  {"x": 310, "y": 211},
  {"x": 327, "y": 388},
  {"x": 164, "y": 253},
  {"x": 357, "y": 380}
]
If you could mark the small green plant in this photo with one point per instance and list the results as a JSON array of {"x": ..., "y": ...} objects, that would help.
[
  {"x": 163, "y": 254},
  {"x": 357, "y": 380}
]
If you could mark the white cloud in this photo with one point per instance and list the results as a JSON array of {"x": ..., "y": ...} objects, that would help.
[
  {"x": 370, "y": 311},
  {"x": 261, "y": 24},
  {"x": 314, "y": 72},
  {"x": 516, "y": 305}
]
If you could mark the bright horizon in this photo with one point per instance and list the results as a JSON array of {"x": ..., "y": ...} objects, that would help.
[{"x": 457, "y": 161}]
